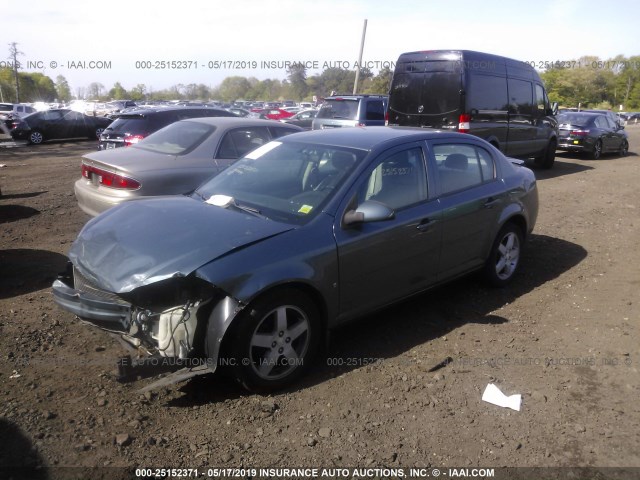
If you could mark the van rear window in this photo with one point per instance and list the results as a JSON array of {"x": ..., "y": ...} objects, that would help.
[{"x": 434, "y": 90}]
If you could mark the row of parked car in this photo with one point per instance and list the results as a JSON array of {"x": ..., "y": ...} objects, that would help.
[{"x": 240, "y": 241}]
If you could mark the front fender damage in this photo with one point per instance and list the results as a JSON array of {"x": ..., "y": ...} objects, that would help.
[{"x": 218, "y": 322}]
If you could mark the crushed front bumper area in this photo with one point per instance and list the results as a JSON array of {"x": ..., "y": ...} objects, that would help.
[
  {"x": 185, "y": 335},
  {"x": 77, "y": 295}
]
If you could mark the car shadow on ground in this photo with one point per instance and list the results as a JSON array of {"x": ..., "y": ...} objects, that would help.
[
  {"x": 13, "y": 213},
  {"x": 24, "y": 271},
  {"x": 14, "y": 196},
  {"x": 396, "y": 330},
  {"x": 561, "y": 168},
  {"x": 18, "y": 456},
  {"x": 54, "y": 148}
]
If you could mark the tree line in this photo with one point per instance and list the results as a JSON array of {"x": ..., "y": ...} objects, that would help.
[
  {"x": 296, "y": 86},
  {"x": 587, "y": 82}
]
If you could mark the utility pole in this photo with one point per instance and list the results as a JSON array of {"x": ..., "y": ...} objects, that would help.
[
  {"x": 364, "y": 33},
  {"x": 14, "y": 52}
]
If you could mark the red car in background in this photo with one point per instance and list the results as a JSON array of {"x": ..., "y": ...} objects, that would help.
[{"x": 274, "y": 113}]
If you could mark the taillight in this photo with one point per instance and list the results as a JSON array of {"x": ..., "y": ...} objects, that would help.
[
  {"x": 132, "y": 139},
  {"x": 579, "y": 133},
  {"x": 464, "y": 124},
  {"x": 109, "y": 179},
  {"x": 361, "y": 125},
  {"x": 386, "y": 118}
]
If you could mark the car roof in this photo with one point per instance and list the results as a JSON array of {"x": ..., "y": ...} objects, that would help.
[
  {"x": 143, "y": 111},
  {"x": 367, "y": 138},
  {"x": 355, "y": 97},
  {"x": 230, "y": 122},
  {"x": 588, "y": 113}
]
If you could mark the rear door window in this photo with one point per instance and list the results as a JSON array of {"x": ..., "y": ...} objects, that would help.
[
  {"x": 462, "y": 166},
  {"x": 240, "y": 141}
]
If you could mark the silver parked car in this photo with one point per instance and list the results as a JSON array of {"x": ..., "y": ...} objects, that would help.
[
  {"x": 299, "y": 236},
  {"x": 172, "y": 161}
]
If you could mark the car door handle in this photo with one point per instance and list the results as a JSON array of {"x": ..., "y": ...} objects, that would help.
[
  {"x": 490, "y": 202},
  {"x": 425, "y": 224}
]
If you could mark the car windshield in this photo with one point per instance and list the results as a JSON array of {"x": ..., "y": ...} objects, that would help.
[
  {"x": 339, "y": 109},
  {"x": 289, "y": 182},
  {"x": 574, "y": 118},
  {"x": 178, "y": 138}
]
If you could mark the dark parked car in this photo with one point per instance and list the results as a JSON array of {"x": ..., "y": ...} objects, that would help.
[
  {"x": 592, "y": 133},
  {"x": 58, "y": 124},
  {"x": 172, "y": 161},
  {"x": 129, "y": 128},
  {"x": 499, "y": 99},
  {"x": 301, "y": 235},
  {"x": 615, "y": 118},
  {"x": 302, "y": 119},
  {"x": 351, "y": 111}
]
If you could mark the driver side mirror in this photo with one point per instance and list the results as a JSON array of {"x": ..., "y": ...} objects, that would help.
[{"x": 369, "y": 211}]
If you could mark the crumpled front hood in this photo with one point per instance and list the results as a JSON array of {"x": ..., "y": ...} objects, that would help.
[{"x": 145, "y": 241}]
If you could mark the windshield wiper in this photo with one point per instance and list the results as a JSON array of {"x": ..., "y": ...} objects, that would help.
[{"x": 245, "y": 208}]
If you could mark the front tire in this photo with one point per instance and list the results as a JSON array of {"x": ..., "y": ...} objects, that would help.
[
  {"x": 275, "y": 340},
  {"x": 624, "y": 148},
  {"x": 504, "y": 259},
  {"x": 36, "y": 137},
  {"x": 596, "y": 153},
  {"x": 547, "y": 160}
]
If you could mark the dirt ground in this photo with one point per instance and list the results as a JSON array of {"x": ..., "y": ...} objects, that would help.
[{"x": 564, "y": 335}]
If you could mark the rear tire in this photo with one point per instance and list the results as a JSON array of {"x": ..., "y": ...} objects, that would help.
[
  {"x": 596, "y": 153},
  {"x": 504, "y": 259},
  {"x": 36, "y": 137},
  {"x": 548, "y": 158}
]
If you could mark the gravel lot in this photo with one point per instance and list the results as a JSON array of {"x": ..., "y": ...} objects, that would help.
[{"x": 564, "y": 335}]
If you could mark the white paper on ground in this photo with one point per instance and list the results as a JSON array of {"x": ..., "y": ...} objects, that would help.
[{"x": 492, "y": 394}]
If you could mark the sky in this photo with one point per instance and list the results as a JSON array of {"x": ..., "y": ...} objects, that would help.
[{"x": 127, "y": 41}]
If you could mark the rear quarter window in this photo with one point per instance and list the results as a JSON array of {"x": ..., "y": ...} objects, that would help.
[{"x": 375, "y": 110}]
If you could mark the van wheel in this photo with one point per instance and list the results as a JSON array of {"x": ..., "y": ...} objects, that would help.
[{"x": 548, "y": 158}]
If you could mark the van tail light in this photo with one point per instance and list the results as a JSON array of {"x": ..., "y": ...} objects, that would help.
[
  {"x": 132, "y": 139},
  {"x": 109, "y": 179},
  {"x": 361, "y": 125},
  {"x": 386, "y": 118},
  {"x": 464, "y": 124}
]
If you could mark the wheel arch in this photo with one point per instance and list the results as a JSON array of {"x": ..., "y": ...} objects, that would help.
[
  {"x": 314, "y": 295},
  {"x": 520, "y": 221}
]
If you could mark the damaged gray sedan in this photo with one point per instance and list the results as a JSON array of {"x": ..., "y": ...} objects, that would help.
[{"x": 296, "y": 238}]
